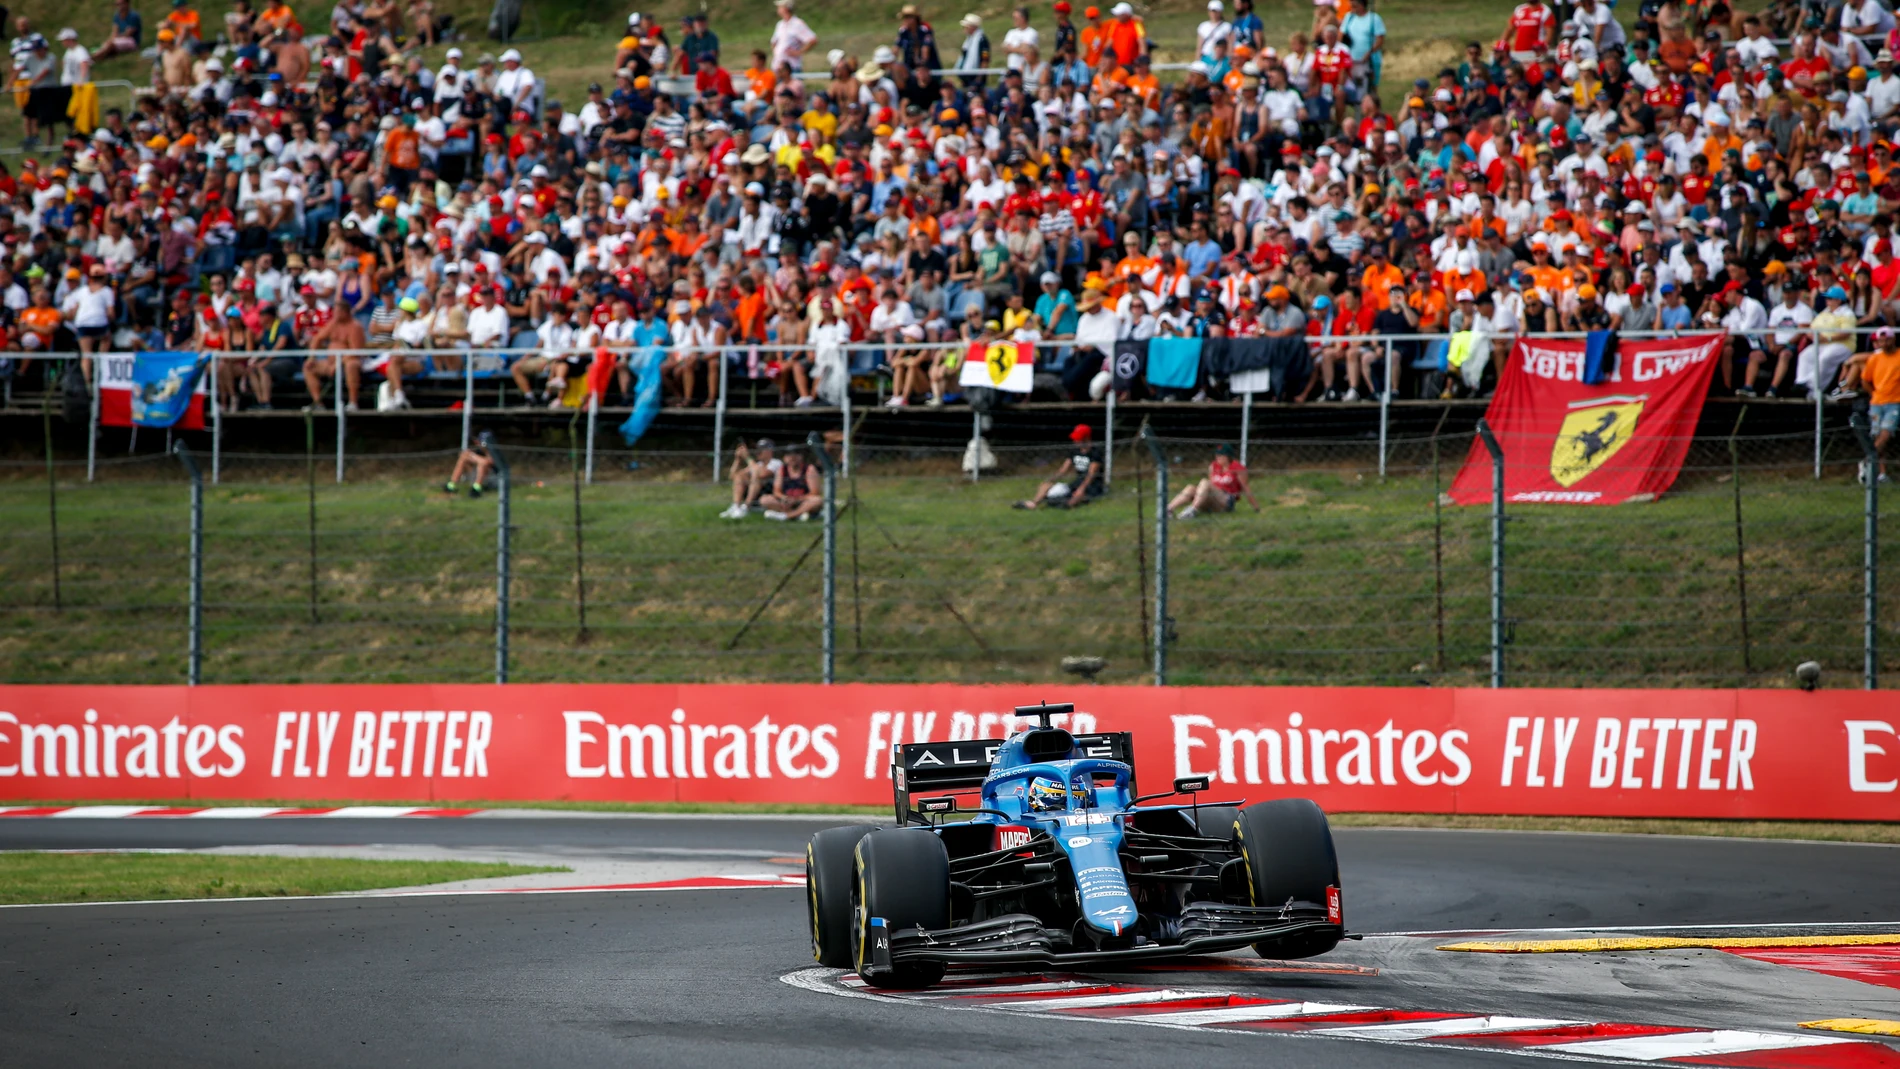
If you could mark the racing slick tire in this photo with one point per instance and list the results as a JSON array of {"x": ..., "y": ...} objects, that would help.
[
  {"x": 903, "y": 876},
  {"x": 1286, "y": 847},
  {"x": 828, "y": 876}
]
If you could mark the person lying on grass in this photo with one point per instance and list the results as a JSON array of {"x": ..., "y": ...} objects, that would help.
[{"x": 1225, "y": 485}]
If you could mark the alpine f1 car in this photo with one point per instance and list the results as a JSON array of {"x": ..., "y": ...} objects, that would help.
[{"x": 1061, "y": 862}]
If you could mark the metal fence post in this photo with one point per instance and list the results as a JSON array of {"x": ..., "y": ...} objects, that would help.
[
  {"x": 1246, "y": 425},
  {"x": 340, "y": 422},
  {"x": 217, "y": 424},
  {"x": 1818, "y": 416},
  {"x": 501, "y": 557},
  {"x": 830, "y": 516},
  {"x": 52, "y": 497},
  {"x": 1161, "y": 628},
  {"x": 195, "y": 641},
  {"x": 1870, "y": 586},
  {"x": 1108, "y": 444},
  {"x": 1385, "y": 409},
  {"x": 593, "y": 421},
  {"x": 845, "y": 450},
  {"x": 468, "y": 401},
  {"x": 1497, "y": 551},
  {"x": 719, "y": 415},
  {"x": 92, "y": 419}
]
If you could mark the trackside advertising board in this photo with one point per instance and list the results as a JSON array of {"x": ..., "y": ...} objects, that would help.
[
  {"x": 1569, "y": 441},
  {"x": 1828, "y": 755}
]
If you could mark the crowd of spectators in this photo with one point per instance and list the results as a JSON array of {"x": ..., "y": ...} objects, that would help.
[{"x": 282, "y": 188}]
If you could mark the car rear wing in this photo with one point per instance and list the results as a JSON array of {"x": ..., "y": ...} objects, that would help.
[{"x": 922, "y": 767}]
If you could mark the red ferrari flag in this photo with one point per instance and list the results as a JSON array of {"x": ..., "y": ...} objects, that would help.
[
  {"x": 1567, "y": 442},
  {"x": 601, "y": 372}
]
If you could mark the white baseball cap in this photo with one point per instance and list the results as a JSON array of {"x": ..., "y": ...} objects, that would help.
[
  {"x": 455, "y": 53},
  {"x": 1214, "y": 5},
  {"x": 511, "y": 56},
  {"x": 1122, "y": 9}
]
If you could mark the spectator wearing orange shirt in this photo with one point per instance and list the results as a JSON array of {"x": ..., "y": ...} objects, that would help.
[
  {"x": 1376, "y": 282},
  {"x": 183, "y": 21},
  {"x": 1879, "y": 373},
  {"x": 41, "y": 319},
  {"x": 688, "y": 239},
  {"x": 402, "y": 148},
  {"x": 1127, "y": 35},
  {"x": 1093, "y": 38},
  {"x": 1677, "y": 51}
]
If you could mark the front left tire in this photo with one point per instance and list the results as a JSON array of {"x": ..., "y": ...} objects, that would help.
[
  {"x": 830, "y": 859},
  {"x": 902, "y": 876}
]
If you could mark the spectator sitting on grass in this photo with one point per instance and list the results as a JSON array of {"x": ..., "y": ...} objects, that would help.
[
  {"x": 1078, "y": 482},
  {"x": 1225, "y": 485},
  {"x": 753, "y": 471},
  {"x": 795, "y": 492},
  {"x": 475, "y": 460}
]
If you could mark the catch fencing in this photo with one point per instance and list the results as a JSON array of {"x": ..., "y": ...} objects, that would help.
[{"x": 1356, "y": 569}]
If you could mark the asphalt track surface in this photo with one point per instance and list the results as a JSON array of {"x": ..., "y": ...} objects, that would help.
[{"x": 692, "y": 978}]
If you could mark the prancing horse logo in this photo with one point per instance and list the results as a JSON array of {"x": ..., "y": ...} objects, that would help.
[{"x": 1592, "y": 432}]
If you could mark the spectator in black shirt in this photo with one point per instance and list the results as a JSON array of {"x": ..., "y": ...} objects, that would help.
[
  {"x": 1078, "y": 481},
  {"x": 823, "y": 210},
  {"x": 916, "y": 41},
  {"x": 181, "y": 325}
]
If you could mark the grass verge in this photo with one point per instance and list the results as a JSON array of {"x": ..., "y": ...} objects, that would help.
[{"x": 30, "y": 877}]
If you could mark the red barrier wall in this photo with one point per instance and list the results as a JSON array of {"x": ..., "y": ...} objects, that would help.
[{"x": 1831, "y": 755}]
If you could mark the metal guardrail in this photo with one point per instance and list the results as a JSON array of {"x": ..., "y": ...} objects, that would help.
[{"x": 469, "y": 377}]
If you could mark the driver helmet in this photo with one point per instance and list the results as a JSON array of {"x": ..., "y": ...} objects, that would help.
[{"x": 1045, "y": 795}]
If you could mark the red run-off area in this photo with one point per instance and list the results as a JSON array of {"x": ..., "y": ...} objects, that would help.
[{"x": 1664, "y": 753}]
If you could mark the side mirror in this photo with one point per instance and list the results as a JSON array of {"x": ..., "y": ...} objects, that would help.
[
  {"x": 1191, "y": 784},
  {"x": 937, "y": 805}
]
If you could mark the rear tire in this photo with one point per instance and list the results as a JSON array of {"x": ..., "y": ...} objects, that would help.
[
  {"x": 903, "y": 876},
  {"x": 828, "y": 877},
  {"x": 1287, "y": 850}
]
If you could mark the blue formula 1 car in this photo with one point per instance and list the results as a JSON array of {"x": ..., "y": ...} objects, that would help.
[{"x": 1063, "y": 863}]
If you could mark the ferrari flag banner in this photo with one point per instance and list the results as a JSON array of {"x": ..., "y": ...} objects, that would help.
[
  {"x": 1567, "y": 442},
  {"x": 153, "y": 390},
  {"x": 1003, "y": 365}
]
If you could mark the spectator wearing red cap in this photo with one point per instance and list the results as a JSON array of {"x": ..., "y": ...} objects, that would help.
[{"x": 1078, "y": 481}]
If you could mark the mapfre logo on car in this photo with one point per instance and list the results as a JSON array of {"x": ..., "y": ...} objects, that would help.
[{"x": 1009, "y": 836}]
